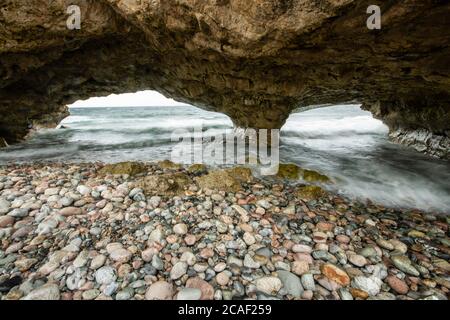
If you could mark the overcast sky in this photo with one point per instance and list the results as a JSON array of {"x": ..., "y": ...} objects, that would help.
[{"x": 138, "y": 99}]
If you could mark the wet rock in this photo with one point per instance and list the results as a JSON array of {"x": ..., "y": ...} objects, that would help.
[
  {"x": 314, "y": 176},
  {"x": 310, "y": 192},
  {"x": 288, "y": 171}
]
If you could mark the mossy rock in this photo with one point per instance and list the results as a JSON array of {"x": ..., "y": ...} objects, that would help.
[
  {"x": 197, "y": 169},
  {"x": 129, "y": 168},
  {"x": 314, "y": 176},
  {"x": 167, "y": 164},
  {"x": 165, "y": 184},
  {"x": 242, "y": 174},
  {"x": 228, "y": 180},
  {"x": 310, "y": 192},
  {"x": 288, "y": 171}
]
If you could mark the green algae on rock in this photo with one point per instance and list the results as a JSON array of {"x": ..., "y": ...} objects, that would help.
[
  {"x": 288, "y": 171},
  {"x": 197, "y": 169},
  {"x": 225, "y": 179},
  {"x": 168, "y": 184},
  {"x": 310, "y": 192},
  {"x": 129, "y": 168},
  {"x": 291, "y": 171},
  {"x": 314, "y": 176},
  {"x": 167, "y": 164}
]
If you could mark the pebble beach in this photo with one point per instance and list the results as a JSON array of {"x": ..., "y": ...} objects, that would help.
[{"x": 146, "y": 231}]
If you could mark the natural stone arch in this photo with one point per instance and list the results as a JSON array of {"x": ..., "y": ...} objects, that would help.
[{"x": 254, "y": 60}]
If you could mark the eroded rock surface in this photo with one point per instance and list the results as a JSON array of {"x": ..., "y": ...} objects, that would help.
[{"x": 254, "y": 60}]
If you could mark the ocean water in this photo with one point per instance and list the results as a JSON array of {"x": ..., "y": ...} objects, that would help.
[{"x": 343, "y": 142}]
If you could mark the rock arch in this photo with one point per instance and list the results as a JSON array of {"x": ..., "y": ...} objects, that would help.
[{"x": 254, "y": 60}]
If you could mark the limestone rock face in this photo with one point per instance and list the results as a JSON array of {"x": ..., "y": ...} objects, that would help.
[{"x": 254, "y": 60}]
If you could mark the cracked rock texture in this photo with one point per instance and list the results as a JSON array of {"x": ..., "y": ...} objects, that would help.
[{"x": 254, "y": 60}]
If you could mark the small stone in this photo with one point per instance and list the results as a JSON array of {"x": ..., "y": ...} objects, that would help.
[
  {"x": 155, "y": 236},
  {"x": 206, "y": 289},
  {"x": 70, "y": 211},
  {"x": 105, "y": 275},
  {"x": 97, "y": 262},
  {"x": 300, "y": 267},
  {"x": 308, "y": 282},
  {"x": 160, "y": 290},
  {"x": 343, "y": 238},
  {"x": 368, "y": 252},
  {"x": 178, "y": 270},
  {"x": 157, "y": 263},
  {"x": 301, "y": 248},
  {"x": 222, "y": 278},
  {"x": 307, "y": 295},
  {"x": 148, "y": 254},
  {"x": 206, "y": 253},
  {"x": 189, "y": 294},
  {"x": 345, "y": 294},
  {"x": 357, "y": 260},
  {"x": 125, "y": 294},
  {"x": 291, "y": 283},
  {"x": 404, "y": 264},
  {"x": 250, "y": 263},
  {"x": 249, "y": 239},
  {"x": 19, "y": 213},
  {"x": 120, "y": 255},
  {"x": 83, "y": 190},
  {"x": 82, "y": 259},
  {"x": 385, "y": 244},
  {"x": 180, "y": 229},
  {"x": 45, "y": 292},
  {"x": 371, "y": 285},
  {"x": 416, "y": 234},
  {"x": 335, "y": 274},
  {"x": 399, "y": 246},
  {"x": 25, "y": 264},
  {"x": 4, "y": 206},
  {"x": 190, "y": 239},
  {"x": 6, "y": 221},
  {"x": 397, "y": 285},
  {"x": 268, "y": 285},
  {"x": 91, "y": 294},
  {"x": 51, "y": 191},
  {"x": 358, "y": 293},
  {"x": 188, "y": 257}
]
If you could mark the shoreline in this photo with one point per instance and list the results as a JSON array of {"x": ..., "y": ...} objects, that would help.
[{"x": 76, "y": 231}]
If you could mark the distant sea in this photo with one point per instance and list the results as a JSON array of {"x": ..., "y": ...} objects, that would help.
[{"x": 343, "y": 142}]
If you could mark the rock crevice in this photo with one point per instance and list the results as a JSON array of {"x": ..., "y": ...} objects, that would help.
[{"x": 254, "y": 60}]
